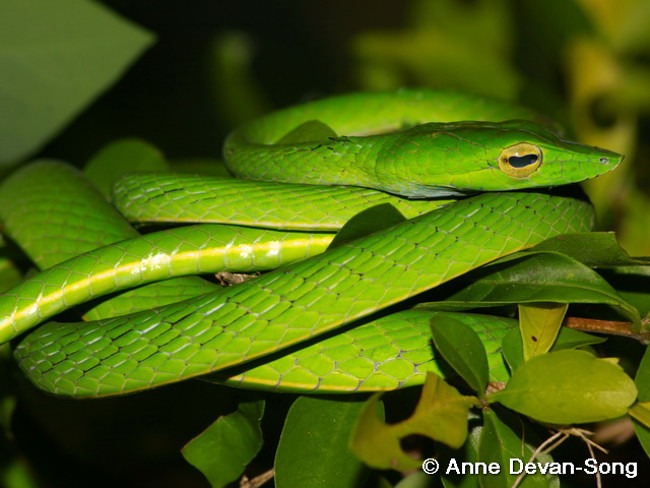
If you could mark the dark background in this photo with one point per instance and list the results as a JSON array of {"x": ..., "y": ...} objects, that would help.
[{"x": 183, "y": 98}]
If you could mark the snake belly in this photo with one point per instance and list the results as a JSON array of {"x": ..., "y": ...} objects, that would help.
[{"x": 299, "y": 302}]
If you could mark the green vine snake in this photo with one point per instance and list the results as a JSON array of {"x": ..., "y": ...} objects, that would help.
[{"x": 315, "y": 319}]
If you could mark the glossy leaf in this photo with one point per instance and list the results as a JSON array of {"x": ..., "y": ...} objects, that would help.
[
  {"x": 535, "y": 277},
  {"x": 590, "y": 248},
  {"x": 633, "y": 284},
  {"x": 310, "y": 131},
  {"x": 573, "y": 339},
  {"x": 441, "y": 414},
  {"x": 461, "y": 347},
  {"x": 512, "y": 348},
  {"x": 223, "y": 450},
  {"x": 566, "y": 387},
  {"x": 641, "y": 412},
  {"x": 501, "y": 445},
  {"x": 643, "y": 434},
  {"x": 366, "y": 222},
  {"x": 56, "y": 57},
  {"x": 539, "y": 324},
  {"x": 313, "y": 449}
]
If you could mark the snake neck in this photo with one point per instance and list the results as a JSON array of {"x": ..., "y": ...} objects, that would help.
[{"x": 337, "y": 161}]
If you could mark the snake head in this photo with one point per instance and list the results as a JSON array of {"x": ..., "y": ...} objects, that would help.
[{"x": 464, "y": 157}]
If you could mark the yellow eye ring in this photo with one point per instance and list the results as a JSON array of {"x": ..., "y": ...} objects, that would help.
[{"x": 520, "y": 160}]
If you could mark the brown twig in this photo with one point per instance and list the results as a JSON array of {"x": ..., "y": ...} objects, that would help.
[
  {"x": 257, "y": 481},
  {"x": 608, "y": 327}
]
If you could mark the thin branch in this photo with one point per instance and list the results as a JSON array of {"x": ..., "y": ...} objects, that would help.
[
  {"x": 256, "y": 482},
  {"x": 608, "y": 327}
]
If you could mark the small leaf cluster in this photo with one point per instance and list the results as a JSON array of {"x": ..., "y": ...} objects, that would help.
[{"x": 556, "y": 378}]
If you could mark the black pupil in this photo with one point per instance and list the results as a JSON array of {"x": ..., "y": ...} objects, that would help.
[{"x": 522, "y": 161}]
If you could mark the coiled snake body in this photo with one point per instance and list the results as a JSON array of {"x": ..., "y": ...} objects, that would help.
[{"x": 398, "y": 147}]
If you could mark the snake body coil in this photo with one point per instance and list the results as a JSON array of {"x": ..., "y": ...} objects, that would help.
[{"x": 438, "y": 144}]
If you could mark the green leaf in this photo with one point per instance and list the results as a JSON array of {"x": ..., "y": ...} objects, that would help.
[
  {"x": 573, "y": 339},
  {"x": 366, "y": 222},
  {"x": 223, "y": 450},
  {"x": 310, "y": 131},
  {"x": 590, "y": 248},
  {"x": 633, "y": 284},
  {"x": 462, "y": 348},
  {"x": 501, "y": 445},
  {"x": 441, "y": 415},
  {"x": 55, "y": 58},
  {"x": 419, "y": 479},
  {"x": 123, "y": 156},
  {"x": 513, "y": 351},
  {"x": 641, "y": 412},
  {"x": 313, "y": 449},
  {"x": 539, "y": 324},
  {"x": 373, "y": 441},
  {"x": 566, "y": 387},
  {"x": 642, "y": 378},
  {"x": 531, "y": 278},
  {"x": 643, "y": 434}
]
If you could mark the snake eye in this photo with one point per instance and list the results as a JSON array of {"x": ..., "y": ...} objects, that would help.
[{"x": 520, "y": 160}]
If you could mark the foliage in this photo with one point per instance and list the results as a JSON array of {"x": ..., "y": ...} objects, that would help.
[
  {"x": 583, "y": 63},
  {"x": 55, "y": 59}
]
